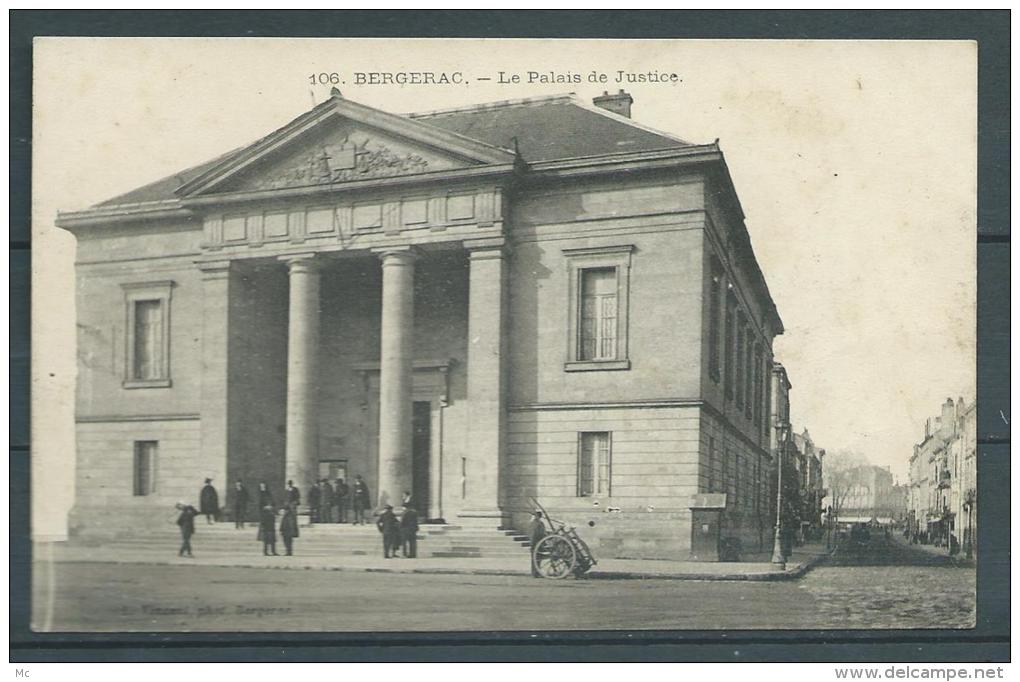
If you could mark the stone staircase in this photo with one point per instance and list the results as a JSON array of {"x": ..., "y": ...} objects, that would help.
[{"x": 222, "y": 539}]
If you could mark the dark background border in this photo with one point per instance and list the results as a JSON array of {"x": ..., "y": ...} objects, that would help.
[{"x": 988, "y": 642}]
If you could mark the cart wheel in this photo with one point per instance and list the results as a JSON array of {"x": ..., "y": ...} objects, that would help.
[{"x": 555, "y": 557}]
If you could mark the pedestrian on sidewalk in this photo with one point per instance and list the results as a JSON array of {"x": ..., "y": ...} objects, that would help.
[
  {"x": 536, "y": 531},
  {"x": 409, "y": 531},
  {"x": 362, "y": 500},
  {"x": 314, "y": 500},
  {"x": 265, "y": 496},
  {"x": 326, "y": 502},
  {"x": 240, "y": 504},
  {"x": 209, "y": 502},
  {"x": 186, "y": 521},
  {"x": 267, "y": 531},
  {"x": 341, "y": 492},
  {"x": 289, "y": 529},
  {"x": 390, "y": 529},
  {"x": 293, "y": 494}
]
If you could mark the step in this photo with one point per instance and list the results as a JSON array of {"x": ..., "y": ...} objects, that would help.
[{"x": 320, "y": 540}]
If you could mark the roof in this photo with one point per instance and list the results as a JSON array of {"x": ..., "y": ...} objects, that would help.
[
  {"x": 163, "y": 189},
  {"x": 544, "y": 129},
  {"x": 551, "y": 128}
]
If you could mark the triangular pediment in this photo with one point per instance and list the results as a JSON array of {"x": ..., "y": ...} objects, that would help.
[{"x": 340, "y": 142}]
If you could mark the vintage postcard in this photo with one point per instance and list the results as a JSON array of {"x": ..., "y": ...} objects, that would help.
[{"x": 362, "y": 335}]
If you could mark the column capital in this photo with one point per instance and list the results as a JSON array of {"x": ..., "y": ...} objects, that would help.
[
  {"x": 300, "y": 262},
  {"x": 485, "y": 248},
  {"x": 397, "y": 254},
  {"x": 214, "y": 269}
]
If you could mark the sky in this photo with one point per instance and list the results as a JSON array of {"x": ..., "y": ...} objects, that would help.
[{"x": 855, "y": 164}]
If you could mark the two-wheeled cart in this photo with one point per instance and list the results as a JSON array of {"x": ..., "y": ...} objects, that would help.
[{"x": 562, "y": 552}]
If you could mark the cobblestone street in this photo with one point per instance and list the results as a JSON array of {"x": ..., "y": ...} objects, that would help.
[
  {"x": 889, "y": 584},
  {"x": 881, "y": 585}
]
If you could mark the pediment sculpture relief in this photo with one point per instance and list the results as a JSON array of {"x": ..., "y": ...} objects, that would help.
[{"x": 345, "y": 161}]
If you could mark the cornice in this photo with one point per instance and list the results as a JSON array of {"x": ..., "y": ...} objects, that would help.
[
  {"x": 375, "y": 184},
  {"x": 103, "y": 215},
  {"x": 625, "y": 162}
]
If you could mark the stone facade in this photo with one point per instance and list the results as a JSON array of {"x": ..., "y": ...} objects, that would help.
[
  {"x": 363, "y": 293},
  {"x": 942, "y": 505}
]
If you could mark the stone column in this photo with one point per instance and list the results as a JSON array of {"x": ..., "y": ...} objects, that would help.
[
  {"x": 486, "y": 380},
  {"x": 302, "y": 372},
  {"x": 215, "y": 426},
  {"x": 395, "y": 374}
]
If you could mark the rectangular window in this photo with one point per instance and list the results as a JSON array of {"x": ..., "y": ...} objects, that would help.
[
  {"x": 148, "y": 354},
  {"x": 598, "y": 314},
  {"x": 748, "y": 484},
  {"x": 758, "y": 385},
  {"x": 594, "y": 464},
  {"x": 726, "y": 478},
  {"x": 713, "y": 466},
  {"x": 731, "y": 305},
  {"x": 148, "y": 335},
  {"x": 739, "y": 360},
  {"x": 738, "y": 497},
  {"x": 714, "y": 320},
  {"x": 145, "y": 467},
  {"x": 748, "y": 377},
  {"x": 757, "y": 483},
  {"x": 597, "y": 308}
]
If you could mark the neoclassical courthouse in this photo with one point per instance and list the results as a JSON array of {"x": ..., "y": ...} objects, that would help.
[{"x": 532, "y": 298}]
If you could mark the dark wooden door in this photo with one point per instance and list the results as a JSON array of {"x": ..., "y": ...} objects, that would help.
[{"x": 421, "y": 444}]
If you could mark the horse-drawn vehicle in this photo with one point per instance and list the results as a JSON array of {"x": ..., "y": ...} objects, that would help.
[{"x": 562, "y": 552}]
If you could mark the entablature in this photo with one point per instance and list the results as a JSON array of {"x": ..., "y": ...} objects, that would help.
[{"x": 339, "y": 222}]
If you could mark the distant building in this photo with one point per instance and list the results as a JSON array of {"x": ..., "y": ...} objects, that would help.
[
  {"x": 812, "y": 491},
  {"x": 871, "y": 496},
  {"x": 943, "y": 478}
]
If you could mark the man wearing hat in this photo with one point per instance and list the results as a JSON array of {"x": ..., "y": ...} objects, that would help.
[
  {"x": 314, "y": 499},
  {"x": 361, "y": 498},
  {"x": 536, "y": 531},
  {"x": 240, "y": 503},
  {"x": 267, "y": 530},
  {"x": 209, "y": 501},
  {"x": 390, "y": 529},
  {"x": 409, "y": 531},
  {"x": 186, "y": 521}
]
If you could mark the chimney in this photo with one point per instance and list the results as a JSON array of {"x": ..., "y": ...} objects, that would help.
[{"x": 618, "y": 103}]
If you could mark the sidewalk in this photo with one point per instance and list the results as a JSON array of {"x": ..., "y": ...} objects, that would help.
[
  {"x": 802, "y": 560},
  {"x": 931, "y": 550}
]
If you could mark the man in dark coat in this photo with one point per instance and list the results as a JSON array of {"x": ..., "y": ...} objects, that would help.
[
  {"x": 326, "y": 502},
  {"x": 186, "y": 520},
  {"x": 293, "y": 494},
  {"x": 240, "y": 504},
  {"x": 267, "y": 531},
  {"x": 390, "y": 529},
  {"x": 362, "y": 500},
  {"x": 536, "y": 531},
  {"x": 409, "y": 532},
  {"x": 314, "y": 501},
  {"x": 209, "y": 501},
  {"x": 341, "y": 491},
  {"x": 289, "y": 528},
  {"x": 265, "y": 496}
]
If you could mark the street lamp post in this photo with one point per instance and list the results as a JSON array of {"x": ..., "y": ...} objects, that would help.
[
  {"x": 778, "y": 559},
  {"x": 968, "y": 505}
]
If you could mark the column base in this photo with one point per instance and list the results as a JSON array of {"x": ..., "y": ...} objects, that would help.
[{"x": 483, "y": 518}]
